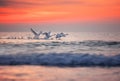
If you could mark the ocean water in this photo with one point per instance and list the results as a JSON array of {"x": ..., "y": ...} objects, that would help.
[{"x": 80, "y": 56}]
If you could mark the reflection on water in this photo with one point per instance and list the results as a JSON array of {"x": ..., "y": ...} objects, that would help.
[{"x": 38, "y": 73}]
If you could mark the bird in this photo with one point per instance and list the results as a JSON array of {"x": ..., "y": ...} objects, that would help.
[
  {"x": 47, "y": 35},
  {"x": 59, "y": 35},
  {"x": 36, "y": 35}
]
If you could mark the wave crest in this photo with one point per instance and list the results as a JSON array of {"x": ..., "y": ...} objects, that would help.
[{"x": 62, "y": 59}]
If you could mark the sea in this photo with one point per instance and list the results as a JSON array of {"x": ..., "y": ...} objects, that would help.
[{"x": 79, "y": 56}]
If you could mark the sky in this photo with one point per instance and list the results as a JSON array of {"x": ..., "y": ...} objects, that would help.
[{"x": 73, "y": 15}]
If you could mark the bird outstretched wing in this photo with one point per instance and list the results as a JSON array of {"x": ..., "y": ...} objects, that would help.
[{"x": 35, "y": 33}]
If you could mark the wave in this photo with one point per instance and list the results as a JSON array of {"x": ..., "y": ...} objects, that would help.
[
  {"x": 57, "y": 43},
  {"x": 61, "y": 59},
  {"x": 100, "y": 43}
]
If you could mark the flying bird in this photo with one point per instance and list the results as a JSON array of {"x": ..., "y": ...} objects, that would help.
[{"x": 36, "y": 35}]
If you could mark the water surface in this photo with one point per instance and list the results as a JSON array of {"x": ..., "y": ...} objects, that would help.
[{"x": 81, "y": 56}]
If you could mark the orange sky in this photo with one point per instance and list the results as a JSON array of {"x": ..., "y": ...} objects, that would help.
[{"x": 12, "y": 11}]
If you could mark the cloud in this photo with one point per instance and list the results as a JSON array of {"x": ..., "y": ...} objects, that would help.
[
  {"x": 3, "y": 13},
  {"x": 3, "y": 3},
  {"x": 65, "y": 2},
  {"x": 14, "y": 3},
  {"x": 37, "y": 3},
  {"x": 30, "y": 3},
  {"x": 48, "y": 10}
]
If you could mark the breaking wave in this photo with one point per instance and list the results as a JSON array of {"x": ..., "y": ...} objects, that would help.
[{"x": 61, "y": 59}]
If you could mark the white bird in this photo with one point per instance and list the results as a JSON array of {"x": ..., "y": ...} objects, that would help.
[
  {"x": 47, "y": 35},
  {"x": 36, "y": 35},
  {"x": 59, "y": 35}
]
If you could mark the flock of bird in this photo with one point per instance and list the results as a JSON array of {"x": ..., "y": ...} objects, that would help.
[{"x": 47, "y": 35}]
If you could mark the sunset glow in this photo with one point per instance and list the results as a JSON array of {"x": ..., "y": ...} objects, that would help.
[{"x": 58, "y": 10}]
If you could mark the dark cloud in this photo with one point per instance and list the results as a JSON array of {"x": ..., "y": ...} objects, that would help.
[
  {"x": 3, "y": 3},
  {"x": 15, "y": 3},
  {"x": 27, "y": 3}
]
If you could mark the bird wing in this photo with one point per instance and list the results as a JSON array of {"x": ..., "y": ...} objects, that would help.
[{"x": 35, "y": 33}]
